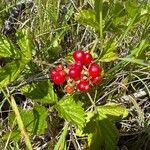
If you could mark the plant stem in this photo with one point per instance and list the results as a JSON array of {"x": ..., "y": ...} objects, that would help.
[
  {"x": 13, "y": 104},
  {"x": 94, "y": 46},
  {"x": 73, "y": 139},
  {"x": 101, "y": 25},
  {"x": 90, "y": 98},
  {"x": 9, "y": 136}
]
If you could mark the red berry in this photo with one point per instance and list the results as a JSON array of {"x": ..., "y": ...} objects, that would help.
[
  {"x": 94, "y": 70},
  {"x": 96, "y": 80},
  {"x": 57, "y": 71},
  {"x": 84, "y": 86},
  {"x": 76, "y": 65},
  {"x": 53, "y": 73},
  {"x": 61, "y": 72},
  {"x": 75, "y": 73},
  {"x": 58, "y": 75},
  {"x": 79, "y": 56},
  {"x": 58, "y": 79},
  {"x": 59, "y": 67},
  {"x": 87, "y": 59}
]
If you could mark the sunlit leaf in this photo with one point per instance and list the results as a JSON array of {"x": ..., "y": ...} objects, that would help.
[
  {"x": 100, "y": 127},
  {"x": 132, "y": 8},
  {"x": 110, "y": 51},
  {"x": 87, "y": 17},
  {"x": 7, "y": 49},
  {"x": 24, "y": 40},
  {"x": 111, "y": 56},
  {"x": 71, "y": 111},
  {"x": 10, "y": 72},
  {"x": 113, "y": 111}
]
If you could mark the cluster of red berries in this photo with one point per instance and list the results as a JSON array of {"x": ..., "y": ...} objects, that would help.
[{"x": 82, "y": 74}]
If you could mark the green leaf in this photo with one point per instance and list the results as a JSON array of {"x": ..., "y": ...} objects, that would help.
[
  {"x": 40, "y": 114},
  {"x": 111, "y": 56},
  {"x": 40, "y": 91},
  {"x": 87, "y": 17},
  {"x": 118, "y": 10},
  {"x": 79, "y": 132},
  {"x": 61, "y": 144},
  {"x": 100, "y": 128},
  {"x": 97, "y": 7},
  {"x": 13, "y": 135},
  {"x": 95, "y": 137},
  {"x": 139, "y": 51},
  {"x": 33, "y": 120},
  {"x": 24, "y": 41},
  {"x": 136, "y": 61},
  {"x": 132, "y": 8},
  {"x": 102, "y": 133},
  {"x": 71, "y": 111},
  {"x": 110, "y": 133},
  {"x": 10, "y": 72},
  {"x": 113, "y": 111},
  {"x": 7, "y": 49},
  {"x": 148, "y": 54}
]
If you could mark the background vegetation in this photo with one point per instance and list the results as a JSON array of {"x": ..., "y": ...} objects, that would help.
[{"x": 36, "y": 114}]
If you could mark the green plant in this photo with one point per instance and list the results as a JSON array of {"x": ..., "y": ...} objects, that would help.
[
  {"x": 68, "y": 107},
  {"x": 81, "y": 96}
]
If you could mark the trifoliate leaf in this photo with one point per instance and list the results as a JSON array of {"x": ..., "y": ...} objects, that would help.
[
  {"x": 109, "y": 132},
  {"x": 80, "y": 132},
  {"x": 100, "y": 128}
]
